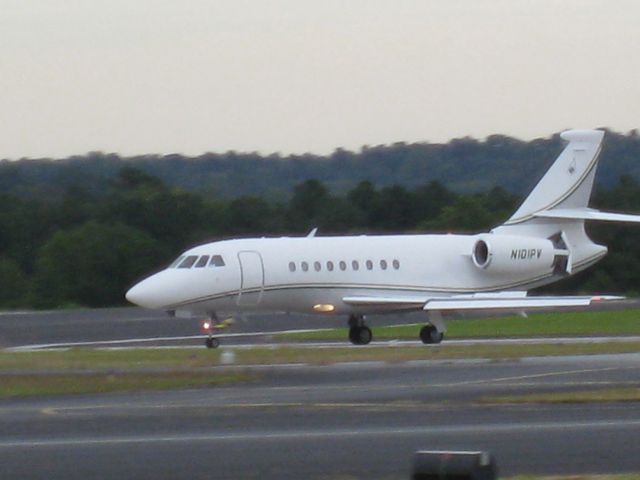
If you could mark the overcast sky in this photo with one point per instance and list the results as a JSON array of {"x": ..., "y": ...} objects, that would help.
[{"x": 190, "y": 76}]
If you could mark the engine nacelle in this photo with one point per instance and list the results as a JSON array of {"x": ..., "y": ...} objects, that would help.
[{"x": 513, "y": 254}]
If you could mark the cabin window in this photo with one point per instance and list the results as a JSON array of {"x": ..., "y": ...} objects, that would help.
[
  {"x": 369, "y": 265},
  {"x": 216, "y": 261},
  {"x": 317, "y": 266},
  {"x": 383, "y": 264},
  {"x": 305, "y": 266},
  {"x": 330, "y": 266},
  {"x": 292, "y": 266},
  {"x": 343, "y": 265},
  {"x": 188, "y": 261},
  {"x": 355, "y": 265},
  {"x": 202, "y": 261},
  {"x": 396, "y": 264},
  {"x": 176, "y": 262}
]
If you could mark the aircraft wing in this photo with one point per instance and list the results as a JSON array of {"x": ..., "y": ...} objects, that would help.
[
  {"x": 400, "y": 302},
  {"x": 507, "y": 301}
]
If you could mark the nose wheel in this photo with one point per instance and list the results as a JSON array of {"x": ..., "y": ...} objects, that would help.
[{"x": 212, "y": 325}]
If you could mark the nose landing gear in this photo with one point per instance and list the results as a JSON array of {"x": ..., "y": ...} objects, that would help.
[
  {"x": 212, "y": 325},
  {"x": 359, "y": 333}
]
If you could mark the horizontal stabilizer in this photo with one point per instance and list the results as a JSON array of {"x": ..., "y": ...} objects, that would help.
[{"x": 588, "y": 214}]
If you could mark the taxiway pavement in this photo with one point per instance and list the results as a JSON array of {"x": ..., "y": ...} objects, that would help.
[
  {"x": 341, "y": 421},
  {"x": 118, "y": 326}
]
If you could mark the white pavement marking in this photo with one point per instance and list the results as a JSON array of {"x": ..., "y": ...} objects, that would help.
[
  {"x": 44, "y": 346},
  {"x": 474, "y": 429},
  {"x": 122, "y": 344}
]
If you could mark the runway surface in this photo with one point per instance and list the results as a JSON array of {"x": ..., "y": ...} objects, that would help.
[
  {"x": 118, "y": 325},
  {"x": 343, "y": 421},
  {"x": 115, "y": 324},
  {"x": 348, "y": 421}
]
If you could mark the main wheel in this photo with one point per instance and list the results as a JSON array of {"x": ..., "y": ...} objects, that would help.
[
  {"x": 360, "y": 335},
  {"x": 364, "y": 335},
  {"x": 430, "y": 334},
  {"x": 353, "y": 335},
  {"x": 212, "y": 342}
]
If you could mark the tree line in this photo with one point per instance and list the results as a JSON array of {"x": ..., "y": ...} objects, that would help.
[
  {"x": 465, "y": 165},
  {"x": 86, "y": 248}
]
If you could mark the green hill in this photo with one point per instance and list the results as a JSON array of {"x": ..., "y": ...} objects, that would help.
[{"x": 463, "y": 165}]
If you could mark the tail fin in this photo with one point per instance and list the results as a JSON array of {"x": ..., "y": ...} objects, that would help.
[
  {"x": 569, "y": 181},
  {"x": 557, "y": 208}
]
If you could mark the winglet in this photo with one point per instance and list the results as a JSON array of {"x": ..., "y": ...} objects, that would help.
[{"x": 312, "y": 233}]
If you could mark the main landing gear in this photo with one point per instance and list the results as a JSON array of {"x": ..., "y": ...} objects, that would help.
[
  {"x": 430, "y": 334},
  {"x": 433, "y": 332},
  {"x": 359, "y": 333}
]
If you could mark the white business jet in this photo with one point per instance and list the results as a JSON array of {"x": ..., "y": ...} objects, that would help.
[{"x": 544, "y": 241}]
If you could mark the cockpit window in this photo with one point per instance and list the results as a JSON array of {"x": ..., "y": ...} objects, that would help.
[
  {"x": 216, "y": 261},
  {"x": 188, "y": 261},
  {"x": 176, "y": 262},
  {"x": 202, "y": 261}
]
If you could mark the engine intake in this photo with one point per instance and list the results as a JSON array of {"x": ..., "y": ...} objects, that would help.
[{"x": 481, "y": 254}]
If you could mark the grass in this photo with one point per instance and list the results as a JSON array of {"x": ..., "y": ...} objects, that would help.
[
  {"x": 33, "y": 385},
  {"x": 99, "y": 371},
  {"x": 85, "y": 359},
  {"x": 622, "y": 476},
  {"x": 95, "y": 370},
  {"x": 619, "y": 322},
  {"x": 189, "y": 359},
  {"x": 588, "y": 396},
  {"x": 440, "y": 352}
]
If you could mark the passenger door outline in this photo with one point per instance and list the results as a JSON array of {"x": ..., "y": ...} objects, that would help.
[{"x": 251, "y": 278}]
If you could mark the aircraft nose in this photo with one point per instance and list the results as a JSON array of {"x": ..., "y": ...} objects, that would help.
[{"x": 144, "y": 294}]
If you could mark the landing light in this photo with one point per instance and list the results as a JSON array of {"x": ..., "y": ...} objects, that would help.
[
  {"x": 324, "y": 308},
  {"x": 206, "y": 325}
]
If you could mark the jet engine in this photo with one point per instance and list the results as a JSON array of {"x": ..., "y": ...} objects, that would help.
[{"x": 504, "y": 254}]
